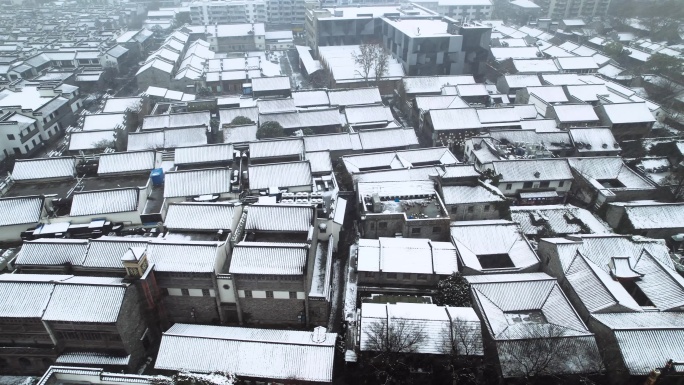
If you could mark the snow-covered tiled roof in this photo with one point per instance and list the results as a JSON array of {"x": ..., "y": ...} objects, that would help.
[
  {"x": 619, "y": 113},
  {"x": 503, "y": 239},
  {"x": 609, "y": 168},
  {"x": 104, "y": 202},
  {"x": 104, "y": 301},
  {"x": 106, "y": 252},
  {"x": 188, "y": 119},
  {"x": 247, "y": 352},
  {"x": 593, "y": 139},
  {"x": 280, "y": 175},
  {"x": 433, "y": 84},
  {"x": 91, "y": 140},
  {"x": 320, "y": 161},
  {"x": 196, "y": 257},
  {"x": 533, "y": 170},
  {"x": 281, "y": 217},
  {"x": 92, "y": 358},
  {"x": 407, "y": 255},
  {"x": 399, "y": 159},
  {"x": 456, "y": 195},
  {"x": 197, "y": 182},
  {"x": 200, "y": 216},
  {"x": 561, "y": 219},
  {"x": 433, "y": 323},
  {"x": 44, "y": 168},
  {"x": 204, "y": 154},
  {"x": 271, "y": 83},
  {"x": 20, "y": 210},
  {"x": 126, "y": 162},
  {"x": 356, "y": 96},
  {"x": 52, "y": 252},
  {"x": 653, "y": 215},
  {"x": 269, "y": 258},
  {"x": 388, "y": 138},
  {"x": 276, "y": 148},
  {"x": 569, "y": 113},
  {"x": 28, "y": 299}
]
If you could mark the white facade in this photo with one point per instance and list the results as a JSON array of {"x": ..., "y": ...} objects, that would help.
[{"x": 226, "y": 12}]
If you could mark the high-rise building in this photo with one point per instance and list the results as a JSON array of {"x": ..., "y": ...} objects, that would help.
[{"x": 228, "y": 12}]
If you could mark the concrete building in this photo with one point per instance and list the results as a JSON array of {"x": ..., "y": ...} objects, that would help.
[
  {"x": 560, "y": 9},
  {"x": 228, "y": 12}
]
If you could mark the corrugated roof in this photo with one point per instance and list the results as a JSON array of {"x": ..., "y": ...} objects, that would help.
[
  {"x": 104, "y": 202},
  {"x": 197, "y": 182},
  {"x": 102, "y": 304},
  {"x": 257, "y": 353},
  {"x": 126, "y": 162},
  {"x": 280, "y": 175},
  {"x": 200, "y": 216},
  {"x": 276, "y": 148},
  {"x": 281, "y": 217},
  {"x": 45, "y": 168},
  {"x": 196, "y": 257},
  {"x": 269, "y": 258},
  {"x": 52, "y": 252},
  {"x": 204, "y": 154},
  {"x": 20, "y": 210}
]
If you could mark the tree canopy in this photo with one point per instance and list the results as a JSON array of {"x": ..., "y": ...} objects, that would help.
[
  {"x": 270, "y": 129},
  {"x": 453, "y": 291},
  {"x": 240, "y": 120}
]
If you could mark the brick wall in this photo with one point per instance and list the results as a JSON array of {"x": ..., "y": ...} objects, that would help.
[
  {"x": 179, "y": 309},
  {"x": 271, "y": 310}
]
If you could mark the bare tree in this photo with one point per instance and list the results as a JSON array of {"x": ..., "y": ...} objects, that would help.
[
  {"x": 388, "y": 346},
  {"x": 545, "y": 350},
  {"x": 463, "y": 347},
  {"x": 372, "y": 59}
]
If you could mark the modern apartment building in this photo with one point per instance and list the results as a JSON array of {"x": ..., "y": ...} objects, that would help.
[
  {"x": 560, "y": 9},
  {"x": 228, "y": 12}
]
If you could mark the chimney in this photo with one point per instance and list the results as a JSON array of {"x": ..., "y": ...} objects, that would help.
[{"x": 135, "y": 262}]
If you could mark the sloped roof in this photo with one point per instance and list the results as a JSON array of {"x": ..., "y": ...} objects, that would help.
[
  {"x": 280, "y": 175},
  {"x": 126, "y": 162},
  {"x": 187, "y": 257},
  {"x": 204, "y": 154},
  {"x": 20, "y": 210},
  {"x": 247, "y": 352},
  {"x": 528, "y": 169},
  {"x": 45, "y": 168},
  {"x": 269, "y": 258},
  {"x": 560, "y": 219},
  {"x": 103, "y": 304},
  {"x": 200, "y": 216},
  {"x": 104, "y": 202},
  {"x": 197, "y": 182},
  {"x": 281, "y": 217}
]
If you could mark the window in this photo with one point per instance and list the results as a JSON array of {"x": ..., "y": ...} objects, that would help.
[
  {"x": 164, "y": 291},
  {"x": 527, "y": 185},
  {"x": 206, "y": 293},
  {"x": 293, "y": 295},
  {"x": 10, "y": 136},
  {"x": 471, "y": 209},
  {"x": 486, "y": 208},
  {"x": 372, "y": 225},
  {"x": 509, "y": 186},
  {"x": 185, "y": 292},
  {"x": 406, "y": 276},
  {"x": 226, "y": 287},
  {"x": 436, "y": 230},
  {"x": 269, "y": 294},
  {"x": 27, "y": 148},
  {"x": 391, "y": 275},
  {"x": 248, "y": 294},
  {"x": 422, "y": 277},
  {"x": 454, "y": 210},
  {"x": 369, "y": 274},
  {"x": 415, "y": 230},
  {"x": 382, "y": 225},
  {"x": 561, "y": 183},
  {"x": 544, "y": 184}
]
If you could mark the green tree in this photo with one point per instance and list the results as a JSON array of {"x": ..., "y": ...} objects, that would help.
[
  {"x": 270, "y": 130},
  {"x": 665, "y": 65},
  {"x": 613, "y": 50},
  {"x": 183, "y": 18},
  {"x": 453, "y": 291},
  {"x": 240, "y": 121},
  {"x": 307, "y": 131}
]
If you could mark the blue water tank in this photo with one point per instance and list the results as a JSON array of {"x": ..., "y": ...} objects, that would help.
[{"x": 157, "y": 176}]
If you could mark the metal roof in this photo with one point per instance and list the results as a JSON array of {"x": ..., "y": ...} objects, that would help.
[
  {"x": 204, "y": 154},
  {"x": 280, "y": 175},
  {"x": 197, "y": 182},
  {"x": 105, "y": 202},
  {"x": 126, "y": 162},
  {"x": 281, "y": 217},
  {"x": 102, "y": 305},
  {"x": 52, "y": 252},
  {"x": 44, "y": 168},
  {"x": 248, "y": 352},
  {"x": 269, "y": 258},
  {"x": 20, "y": 210},
  {"x": 200, "y": 216}
]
